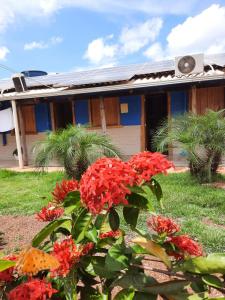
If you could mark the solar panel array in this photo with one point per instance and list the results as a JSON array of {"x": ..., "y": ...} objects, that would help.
[{"x": 104, "y": 75}]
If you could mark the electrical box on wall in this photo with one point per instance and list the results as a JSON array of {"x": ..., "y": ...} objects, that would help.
[{"x": 124, "y": 108}]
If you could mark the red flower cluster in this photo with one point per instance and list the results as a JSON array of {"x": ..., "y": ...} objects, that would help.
[
  {"x": 186, "y": 245},
  {"x": 163, "y": 225},
  {"x": 68, "y": 254},
  {"x": 61, "y": 190},
  {"x": 86, "y": 248},
  {"x": 49, "y": 213},
  {"x": 110, "y": 234},
  {"x": 7, "y": 275},
  {"x": 148, "y": 164},
  {"x": 35, "y": 289},
  {"x": 104, "y": 184}
]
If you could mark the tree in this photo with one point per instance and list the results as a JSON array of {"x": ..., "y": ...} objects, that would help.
[
  {"x": 75, "y": 148},
  {"x": 201, "y": 136}
]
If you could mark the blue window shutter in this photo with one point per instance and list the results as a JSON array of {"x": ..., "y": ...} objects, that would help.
[
  {"x": 179, "y": 102},
  {"x": 81, "y": 112},
  {"x": 133, "y": 117},
  {"x": 42, "y": 116}
]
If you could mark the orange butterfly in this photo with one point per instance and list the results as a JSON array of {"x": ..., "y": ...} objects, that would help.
[{"x": 33, "y": 260}]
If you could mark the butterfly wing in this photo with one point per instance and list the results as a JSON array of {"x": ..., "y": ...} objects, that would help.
[{"x": 34, "y": 260}]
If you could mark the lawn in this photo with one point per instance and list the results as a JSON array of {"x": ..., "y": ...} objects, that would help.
[{"x": 200, "y": 209}]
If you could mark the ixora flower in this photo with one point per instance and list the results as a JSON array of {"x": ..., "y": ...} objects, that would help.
[
  {"x": 163, "y": 225},
  {"x": 148, "y": 164},
  {"x": 186, "y": 245},
  {"x": 105, "y": 184},
  {"x": 49, "y": 213},
  {"x": 34, "y": 289},
  {"x": 110, "y": 234},
  {"x": 61, "y": 190},
  {"x": 7, "y": 275},
  {"x": 68, "y": 254}
]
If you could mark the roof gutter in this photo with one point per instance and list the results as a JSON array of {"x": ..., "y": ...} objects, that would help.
[{"x": 112, "y": 88}]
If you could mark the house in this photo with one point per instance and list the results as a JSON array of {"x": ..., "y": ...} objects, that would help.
[{"x": 127, "y": 102}]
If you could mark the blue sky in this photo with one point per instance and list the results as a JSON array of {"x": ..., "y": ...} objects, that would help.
[{"x": 67, "y": 35}]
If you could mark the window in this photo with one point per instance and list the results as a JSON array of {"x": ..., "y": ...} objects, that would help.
[
  {"x": 28, "y": 115},
  {"x": 112, "y": 113}
]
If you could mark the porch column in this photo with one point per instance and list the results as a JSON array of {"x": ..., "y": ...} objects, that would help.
[
  {"x": 52, "y": 116},
  {"x": 102, "y": 114},
  {"x": 170, "y": 146},
  {"x": 17, "y": 134},
  {"x": 193, "y": 100},
  {"x": 23, "y": 136}
]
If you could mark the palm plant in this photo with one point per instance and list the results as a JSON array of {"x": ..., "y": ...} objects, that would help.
[
  {"x": 75, "y": 148},
  {"x": 201, "y": 136}
]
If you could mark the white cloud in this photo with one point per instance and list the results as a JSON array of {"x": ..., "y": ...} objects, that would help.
[
  {"x": 3, "y": 52},
  {"x": 43, "y": 45},
  {"x": 100, "y": 53},
  {"x": 154, "y": 52},
  {"x": 204, "y": 32},
  {"x": 136, "y": 37}
]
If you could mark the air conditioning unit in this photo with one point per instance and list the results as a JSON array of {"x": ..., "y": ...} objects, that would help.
[{"x": 189, "y": 64}]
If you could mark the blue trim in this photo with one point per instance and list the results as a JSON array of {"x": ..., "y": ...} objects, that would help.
[
  {"x": 42, "y": 116},
  {"x": 133, "y": 117},
  {"x": 81, "y": 112},
  {"x": 179, "y": 102}
]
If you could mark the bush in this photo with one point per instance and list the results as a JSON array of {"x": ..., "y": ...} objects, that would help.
[
  {"x": 202, "y": 137},
  {"x": 75, "y": 148},
  {"x": 82, "y": 252}
]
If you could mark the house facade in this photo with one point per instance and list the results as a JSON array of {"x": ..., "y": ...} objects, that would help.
[{"x": 126, "y": 103}]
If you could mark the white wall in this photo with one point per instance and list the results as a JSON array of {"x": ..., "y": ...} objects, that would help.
[{"x": 126, "y": 138}]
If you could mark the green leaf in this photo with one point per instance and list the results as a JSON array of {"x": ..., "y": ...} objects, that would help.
[
  {"x": 144, "y": 296},
  {"x": 116, "y": 260},
  {"x": 167, "y": 288},
  {"x": 46, "y": 231},
  {"x": 72, "y": 198},
  {"x": 131, "y": 215},
  {"x": 126, "y": 294},
  {"x": 136, "y": 281},
  {"x": 212, "y": 281},
  {"x": 137, "y": 249},
  {"x": 99, "y": 221},
  {"x": 97, "y": 268},
  {"x": 140, "y": 197},
  {"x": 92, "y": 235},
  {"x": 213, "y": 263},
  {"x": 156, "y": 190},
  {"x": 6, "y": 264},
  {"x": 81, "y": 225},
  {"x": 185, "y": 296},
  {"x": 114, "y": 219}
]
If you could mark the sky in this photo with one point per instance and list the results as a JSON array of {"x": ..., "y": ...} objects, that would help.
[{"x": 70, "y": 35}]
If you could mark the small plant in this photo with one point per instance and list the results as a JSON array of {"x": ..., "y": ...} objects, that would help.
[
  {"x": 75, "y": 148},
  {"x": 82, "y": 252},
  {"x": 202, "y": 137}
]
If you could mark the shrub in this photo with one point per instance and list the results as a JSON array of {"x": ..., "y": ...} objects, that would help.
[
  {"x": 82, "y": 253},
  {"x": 202, "y": 137}
]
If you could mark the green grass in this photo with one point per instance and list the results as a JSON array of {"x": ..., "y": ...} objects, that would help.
[
  {"x": 184, "y": 199},
  {"x": 25, "y": 193}
]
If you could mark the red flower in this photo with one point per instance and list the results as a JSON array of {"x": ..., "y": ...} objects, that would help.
[
  {"x": 61, "y": 190},
  {"x": 7, "y": 275},
  {"x": 186, "y": 245},
  {"x": 67, "y": 254},
  {"x": 163, "y": 225},
  {"x": 105, "y": 183},
  {"x": 148, "y": 164},
  {"x": 35, "y": 289},
  {"x": 110, "y": 234},
  {"x": 86, "y": 248},
  {"x": 49, "y": 213}
]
